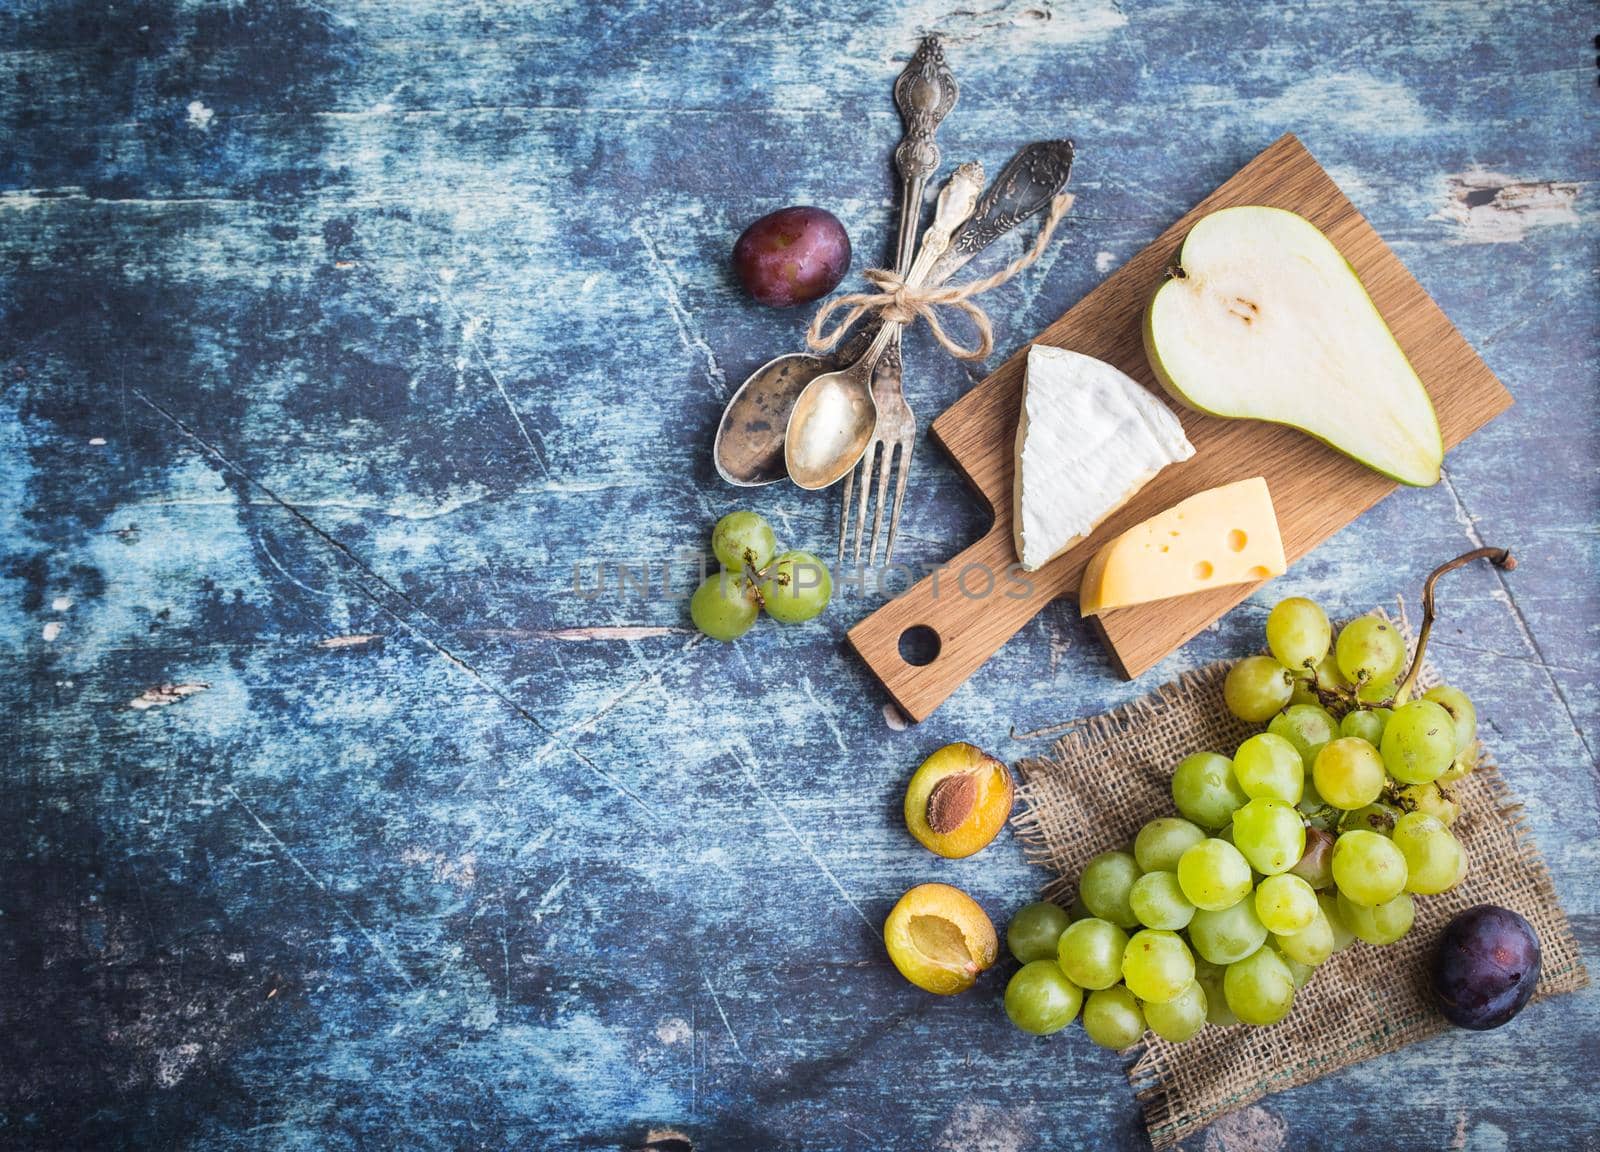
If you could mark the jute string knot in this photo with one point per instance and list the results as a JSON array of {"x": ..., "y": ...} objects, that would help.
[{"x": 903, "y": 300}]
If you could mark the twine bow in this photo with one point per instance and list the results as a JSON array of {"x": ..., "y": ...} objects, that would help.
[{"x": 901, "y": 301}]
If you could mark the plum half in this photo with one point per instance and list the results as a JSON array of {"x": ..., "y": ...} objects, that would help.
[
  {"x": 940, "y": 938},
  {"x": 958, "y": 801}
]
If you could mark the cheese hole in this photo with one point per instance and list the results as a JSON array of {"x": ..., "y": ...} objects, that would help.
[
  {"x": 1260, "y": 572},
  {"x": 1237, "y": 540},
  {"x": 1203, "y": 570}
]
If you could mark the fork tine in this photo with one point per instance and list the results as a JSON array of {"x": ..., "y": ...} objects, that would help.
[
  {"x": 885, "y": 462},
  {"x": 844, "y": 513},
  {"x": 864, "y": 497},
  {"x": 899, "y": 496}
]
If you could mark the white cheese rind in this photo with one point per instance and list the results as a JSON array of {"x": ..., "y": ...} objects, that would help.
[{"x": 1088, "y": 438}]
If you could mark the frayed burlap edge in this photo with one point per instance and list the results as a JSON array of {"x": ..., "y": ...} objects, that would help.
[{"x": 1106, "y": 775}]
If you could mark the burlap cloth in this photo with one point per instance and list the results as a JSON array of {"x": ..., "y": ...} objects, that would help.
[{"x": 1109, "y": 774}]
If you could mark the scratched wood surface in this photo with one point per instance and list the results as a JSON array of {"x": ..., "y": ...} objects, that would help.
[{"x": 335, "y": 335}]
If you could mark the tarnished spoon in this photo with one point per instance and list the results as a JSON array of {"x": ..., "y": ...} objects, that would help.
[
  {"x": 749, "y": 447},
  {"x": 834, "y": 417}
]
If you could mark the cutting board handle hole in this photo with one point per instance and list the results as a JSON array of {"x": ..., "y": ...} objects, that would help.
[{"x": 919, "y": 645}]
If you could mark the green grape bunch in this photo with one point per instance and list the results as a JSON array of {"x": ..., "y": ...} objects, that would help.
[
  {"x": 792, "y": 587},
  {"x": 1315, "y": 834}
]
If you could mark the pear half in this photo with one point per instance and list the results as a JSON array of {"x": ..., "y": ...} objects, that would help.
[{"x": 1263, "y": 319}]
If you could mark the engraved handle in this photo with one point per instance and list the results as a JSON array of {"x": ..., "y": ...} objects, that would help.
[
  {"x": 925, "y": 92},
  {"x": 956, "y": 201},
  {"x": 1024, "y": 188}
]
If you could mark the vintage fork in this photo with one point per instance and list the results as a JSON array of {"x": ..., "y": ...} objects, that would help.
[
  {"x": 896, "y": 431},
  {"x": 924, "y": 93},
  {"x": 1028, "y": 183}
]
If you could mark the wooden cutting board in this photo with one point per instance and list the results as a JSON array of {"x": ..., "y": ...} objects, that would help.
[{"x": 1315, "y": 490}]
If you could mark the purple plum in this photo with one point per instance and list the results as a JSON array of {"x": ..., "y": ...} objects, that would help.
[
  {"x": 1485, "y": 967},
  {"x": 792, "y": 256}
]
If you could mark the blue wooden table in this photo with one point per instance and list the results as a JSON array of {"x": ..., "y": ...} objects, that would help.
[{"x": 334, "y": 336}]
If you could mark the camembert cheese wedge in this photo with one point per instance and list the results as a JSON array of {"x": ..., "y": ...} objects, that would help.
[
  {"x": 1089, "y": 437},
  {"x": 1226, "y": 535}
]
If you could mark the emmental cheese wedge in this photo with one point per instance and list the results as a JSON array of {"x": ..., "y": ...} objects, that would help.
[
  {"x": 1088, "y": 438},
  {"x": 1226, "y": 535}
]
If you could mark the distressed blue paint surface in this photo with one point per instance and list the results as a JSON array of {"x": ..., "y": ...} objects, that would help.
[{"x": 326, "y": 321}]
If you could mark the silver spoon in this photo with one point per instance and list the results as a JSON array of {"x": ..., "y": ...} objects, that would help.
[
  {"x": 748, "y": 450},
  {"x": 834, "y": 416},
  {"x": 749, "y": 445}
]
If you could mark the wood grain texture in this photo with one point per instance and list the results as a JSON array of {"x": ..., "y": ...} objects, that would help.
[
  {"x": 979, "y": 432},
  {"x": 333, "y": 335}
]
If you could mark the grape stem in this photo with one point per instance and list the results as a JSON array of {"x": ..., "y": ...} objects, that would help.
[
  {"x": 1331, "y": 698},
  {"x": 1326, "y": 813},
  {"x": 1499, "y": 557},
  {"x": 756, "y": 576}
]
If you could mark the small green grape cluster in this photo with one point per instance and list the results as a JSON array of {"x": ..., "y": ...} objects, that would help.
[
  {"x": 1316, "y": 833},
  {"x": 793, "y": 587}
]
